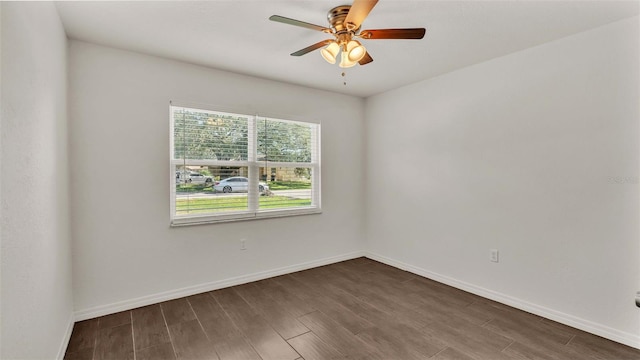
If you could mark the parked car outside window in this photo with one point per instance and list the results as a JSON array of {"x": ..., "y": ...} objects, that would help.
[
  {"x": 192, "y": 178},
  {"x": 237, "y": 184}
]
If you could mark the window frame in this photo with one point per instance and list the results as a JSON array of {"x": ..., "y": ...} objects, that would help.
[{"x": 253, "y": 165}]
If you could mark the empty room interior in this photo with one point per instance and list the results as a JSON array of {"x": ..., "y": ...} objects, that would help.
[{"x": 320, "y": 179}]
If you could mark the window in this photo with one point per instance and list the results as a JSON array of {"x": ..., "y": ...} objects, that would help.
[{"x": 227, "y": 167}]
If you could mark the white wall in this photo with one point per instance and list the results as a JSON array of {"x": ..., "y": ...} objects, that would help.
[
  {"x": 124, "y": 251},
  {"x": 534, "y": 154},
  {"x": 37, "y": 305}
]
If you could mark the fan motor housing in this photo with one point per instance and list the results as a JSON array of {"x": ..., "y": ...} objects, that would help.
[{"x": 336, "y": 17}]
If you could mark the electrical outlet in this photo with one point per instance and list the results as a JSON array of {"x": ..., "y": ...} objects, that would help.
[
  {"x": 493, "y": 256},
  {"x": 243, "y": 244}
]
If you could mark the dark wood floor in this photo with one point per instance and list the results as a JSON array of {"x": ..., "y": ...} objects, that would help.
[{"x": 357, "y": 309}]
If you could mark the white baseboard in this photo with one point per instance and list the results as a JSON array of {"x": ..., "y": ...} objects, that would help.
[
  {"x": 570, "y": 320},
  {"x": 200, "y": 288},
  {"x": 563, "y": 318},
  {"x": 67, "y": 336}
]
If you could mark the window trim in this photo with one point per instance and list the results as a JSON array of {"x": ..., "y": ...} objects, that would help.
[{"x": 253, "y": 165}]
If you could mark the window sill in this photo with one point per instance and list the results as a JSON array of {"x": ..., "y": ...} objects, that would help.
[{"x": 215, "y": 219}]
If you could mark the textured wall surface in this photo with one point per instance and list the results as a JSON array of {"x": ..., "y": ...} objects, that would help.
[
  {"x": 534, "y": 154},
  {"x": 123, "y": 246},
  {"x": 37, "y": 305}
]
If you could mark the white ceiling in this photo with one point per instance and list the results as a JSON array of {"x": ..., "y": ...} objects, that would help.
[{"x": 236, "y": 35}]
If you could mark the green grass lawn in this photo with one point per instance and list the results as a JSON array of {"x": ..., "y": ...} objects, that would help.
[
  {"x": 273, "y": 185},
  {"x": 193, "y": 188},
  {"x": 289, "y": 185},
  {"x": 234, "y": 203}
]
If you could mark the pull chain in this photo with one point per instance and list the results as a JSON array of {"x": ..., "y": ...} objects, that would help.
[{"x": 344, "y": 78}]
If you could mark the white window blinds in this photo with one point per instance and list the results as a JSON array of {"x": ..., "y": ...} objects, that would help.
[{"x": 228, "y": 166}]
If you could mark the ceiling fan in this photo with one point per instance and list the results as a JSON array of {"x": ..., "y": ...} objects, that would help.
[{"x": 345, "y": 21}]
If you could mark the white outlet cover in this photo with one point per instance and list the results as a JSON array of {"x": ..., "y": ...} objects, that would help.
[{"x": 494, "y": 255}]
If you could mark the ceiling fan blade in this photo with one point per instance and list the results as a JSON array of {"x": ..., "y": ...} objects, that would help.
[
  {"x": 358, "y": 12},
  {"x": 309, "y": 49},
  {"x": 294, "y": 22},
  {"x": 417, "y": 33},
  {"x": 366, "y": 59}
]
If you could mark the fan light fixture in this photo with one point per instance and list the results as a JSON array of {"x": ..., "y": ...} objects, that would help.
[
  {"x": 352, "y": 52},
  {"x": 330, "y": 53},
  {"x": 355, "y": 51}
]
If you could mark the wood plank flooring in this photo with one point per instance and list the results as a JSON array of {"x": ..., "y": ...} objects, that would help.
[{"x": 357, "y": 309}]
